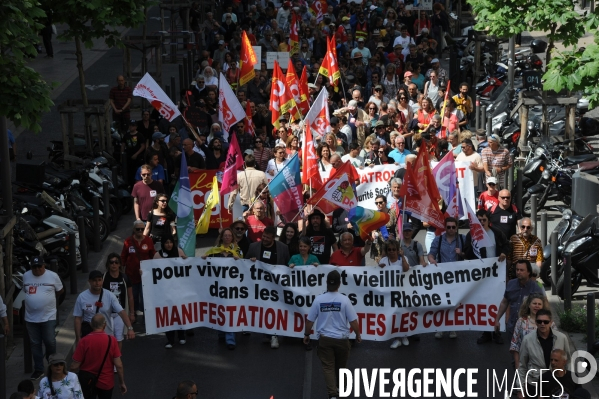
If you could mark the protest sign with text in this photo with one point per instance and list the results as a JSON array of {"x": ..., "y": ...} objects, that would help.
[{"x": 241, "y": 295}]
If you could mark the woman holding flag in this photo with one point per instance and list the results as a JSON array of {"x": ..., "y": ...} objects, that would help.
[{"x": 226, "y": 246}]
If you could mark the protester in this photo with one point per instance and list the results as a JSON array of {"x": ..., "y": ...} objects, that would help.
[
  {"x": 258, "y": 221},
  {"x": 412, "y": 249},
  {"x": 303, "y": 257},
  {"x": 99, "y": 300},
  {"x": 515, "y": 292},
  {"x": 144, "y": 192},
  {"x": 526, "y": 245},
  {"x": 278, "y": 163},
  {"x": 239, "y": 228},
  {"x": 119, "y": 284},
  {"x": 225, "y": 246},
  {"x": 136, "y": 248},
  {"x": 27, "y": 387},
  {"x": 98, "y": 354},
  {"x": 504, "y": 216},
  {"x": 160, "y": 221},
  {"x": 535, "y": 352},
  {"x": 560, "y": 379},
  {"x": 321, "y": 236},
  {"x": 526, "y": 323},
  {"x": 248, "y": 180},
  {"x": 496, "y": 160},
  {"x": 290, "y": 237},
  {"x": 501, "y": 246},
  {"x": 490, "y": 198},
  {"x": 58, "y": 382},
  {"x": 41, "y": 288},
  {"x": 347, "y": 254},
  {"x": 334, "y": 312}
]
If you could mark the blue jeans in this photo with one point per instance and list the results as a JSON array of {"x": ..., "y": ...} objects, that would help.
[
  {"x": 138, "y": 297},
  {"x": 229, "y": 337},
  {"x": 38, "y": 333}
]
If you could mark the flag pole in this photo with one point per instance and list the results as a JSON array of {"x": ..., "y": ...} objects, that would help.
[{"x": 402, "y": 219}]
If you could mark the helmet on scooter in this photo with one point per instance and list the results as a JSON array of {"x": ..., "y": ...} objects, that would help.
[{"x": 538, "y": 46}]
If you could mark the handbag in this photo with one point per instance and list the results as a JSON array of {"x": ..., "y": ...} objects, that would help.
[
  {"x": 86, "y": 327},
  {"x": 88, "y": 380}
]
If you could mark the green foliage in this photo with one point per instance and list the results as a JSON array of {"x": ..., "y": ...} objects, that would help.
[
  {"x": 24, "y": 95},
  {"x": 575, "y": 320},
  {"x": 92, "y": 19}
]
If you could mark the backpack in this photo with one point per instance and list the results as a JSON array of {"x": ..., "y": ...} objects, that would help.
[{"x": 438, "y": 257}]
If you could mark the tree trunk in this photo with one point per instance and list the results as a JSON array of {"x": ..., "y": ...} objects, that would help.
[
  {"x": 79, "y": 55},
  {"x": 550, "y": 46}
]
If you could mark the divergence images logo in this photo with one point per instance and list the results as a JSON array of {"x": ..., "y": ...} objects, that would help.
[{"x": 583, "y": 366}]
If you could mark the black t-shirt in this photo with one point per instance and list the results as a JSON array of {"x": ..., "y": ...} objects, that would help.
[
  {"x": 269, "y": 255},
  {"x": 322, "y": 242},
  {"x": 133, "y": 143},
  {"x": 212, "y": 162},
  {"x": 244, "y": 244},
  {"x": 118, "y": 286},
  {"x": 194, "y": 160},
  {"x": 551, "y": 385},
  {"x": 505, "y": 220},
  {"x": 160, "y": 225}
]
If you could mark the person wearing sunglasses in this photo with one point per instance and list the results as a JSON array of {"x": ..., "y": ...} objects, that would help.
[
  {"x": 119, "y": 284},
  {"x": 136, "y": 248},
  {"x": 161, "y": 221},
  {"x": 488, "y": 199},
  {"x": 515, "y": 293},
  {"x": 240, "y": 228},
  {"x": 534, "y": 351},
  {"x": 144, "y": 192},
  {"x": 505, "y": 215},
  {"x": 526, "y": 245},
  {"x": 526, "y": 324},
  {"x": 448, "y": 247}
]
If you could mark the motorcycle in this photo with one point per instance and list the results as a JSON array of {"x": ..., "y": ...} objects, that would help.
[{"x": 583, "y": 246}]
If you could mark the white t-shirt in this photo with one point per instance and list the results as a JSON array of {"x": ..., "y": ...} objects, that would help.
[
  {"x": 40, "y": 296},
  {"x": 385, "y": 261},
  {"x": 85, "y": 307},
  {"x": 334, "y": 312},
  {"x": 357, "y": 161},
  {"x": 405, "y": 42},
  {"x": 275, "y": 166}
]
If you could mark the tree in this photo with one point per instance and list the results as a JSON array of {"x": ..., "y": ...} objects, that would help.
[
  {"x": 95, "y": 19},
  {"x": 570, "y": 69},
  {"x": 24, "y": 95}
]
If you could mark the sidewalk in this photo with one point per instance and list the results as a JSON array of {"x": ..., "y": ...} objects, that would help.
[{"x": 65, "y": 337}]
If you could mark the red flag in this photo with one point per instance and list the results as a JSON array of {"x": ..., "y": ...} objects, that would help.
[
  {"x": 318, "y": 198},
  {"x": 309, "y": 157},
  {"x": 281, "y": 99},
  {"x": 247, "y": 60},
  {"x": 304, "y": 92},
  {"x": 233, "y": 163},
  {"x": 293, "y": 84},
  {"x": 249, "y": 125},
  {"x": 319, "y": 115},
  {"x": 293, "y": 35},
  {"x": 422, "y": 197},
  {"x": 318, "y": 9}
]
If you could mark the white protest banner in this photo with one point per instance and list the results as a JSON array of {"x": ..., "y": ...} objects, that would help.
[
  {"x": 374, "y": 181},
  {"x": 258, "y": 52},
  {"x": 281, "y": 57},
  {"x": 241, "y": 295},
  {"x": 466, "y": 182}
]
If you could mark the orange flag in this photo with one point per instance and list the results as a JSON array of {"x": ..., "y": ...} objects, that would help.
[
  {"x": 247, "y": 60},
  {"x": 281, "y": 99},
  {"x": 293, "y": 84},
  {"x": 293, "y": 35},
  {"x": 329, "y": 67},
  {"x": 249, "y": 123}
]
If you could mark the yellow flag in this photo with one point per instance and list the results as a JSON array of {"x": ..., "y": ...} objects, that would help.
[{"x": 211, "y": 202}]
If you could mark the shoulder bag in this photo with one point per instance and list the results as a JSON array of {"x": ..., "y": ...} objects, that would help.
[
  {"x": 88, "y": 380},
  {"x": 86, "y": 327}
]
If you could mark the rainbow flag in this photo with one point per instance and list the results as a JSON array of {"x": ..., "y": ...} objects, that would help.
[{"x": 366, "y": 221}]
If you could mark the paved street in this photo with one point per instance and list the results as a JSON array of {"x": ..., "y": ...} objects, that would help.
[{"x": 253, "y": 370}]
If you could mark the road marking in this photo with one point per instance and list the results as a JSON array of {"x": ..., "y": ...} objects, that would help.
[{"x": 307, "y": 390}]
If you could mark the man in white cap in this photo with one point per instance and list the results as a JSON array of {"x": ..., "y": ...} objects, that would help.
[
  {"x": 496, "y": 160},
  {"x": 441, "y": 73},
  {"x": 355, "y": 120}
]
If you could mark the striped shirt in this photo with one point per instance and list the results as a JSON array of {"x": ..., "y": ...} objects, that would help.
[
  {"x": 526, "y": 248},
  {"x": 497, "y": 159}
]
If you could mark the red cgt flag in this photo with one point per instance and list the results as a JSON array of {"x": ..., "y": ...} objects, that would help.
[
  {"x": 318, "y": 199},
  {"x": 249, "y": 125},
  {"x": 309, "y": 157},
  {"x": 293, "y": 84},
  {"x": 247, "y": 60},
  {"x": 304, "y": 105},
  {"x": 281, "y": 99},
  {"x": 422, "y": 196},
  {"x": 293, "y": 35}
]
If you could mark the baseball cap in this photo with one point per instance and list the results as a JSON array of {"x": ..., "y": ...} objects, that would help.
[
  {"x": 94, "y": 274},
  {"x": 333, "y": 278},
  {"x": 380, "y": 44},
  {"x": 240, "y": 222},
  {"x": 56, "y": 358},
  {"x": 378, "y": 87},
  {"x": 407, "y": 226},
  {"x": 408, "y": 73},
  {"x": 357, "y": 55},
  {"x": 424, "y": 30},
  {"x": 37, "y": 261},
  {"x": 491, "y": 180},
  {"x": 158, "y": 135},
  {"x": 132, "y": 122},
  {"x": 376, "y": 32},
  {"x": 379, "y": 124},
  {"x": 493, "y": 137},
  {"x": 248, "y": 152},
  {"x": 398, "y": 46},
  {"x": 352, "y": 104},
  {"x": 221, "y": 42},
  {"x": 361, "y": 39},
  {"x": 173, "y": 136},
  {"x": 434, "y": 60}
]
